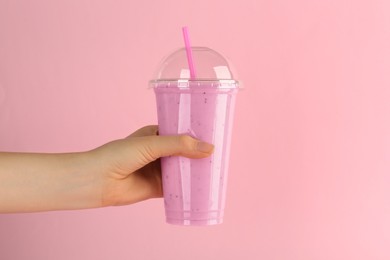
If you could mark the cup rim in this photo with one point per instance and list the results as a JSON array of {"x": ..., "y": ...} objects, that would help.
[{"x": 221, "y": 83}]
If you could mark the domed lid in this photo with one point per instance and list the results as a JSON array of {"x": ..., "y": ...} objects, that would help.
[{"x": 209, "y": 65}]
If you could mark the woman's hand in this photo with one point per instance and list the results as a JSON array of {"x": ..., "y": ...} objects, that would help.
[{"x": 118, "y": 173}]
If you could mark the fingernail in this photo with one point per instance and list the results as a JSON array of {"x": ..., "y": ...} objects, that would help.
[{"x": 204, "y": 147}]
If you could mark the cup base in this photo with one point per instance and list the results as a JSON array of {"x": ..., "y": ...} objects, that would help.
[
  {"x": 194, "y": 218},
  {"x": 189, "y": 222}
]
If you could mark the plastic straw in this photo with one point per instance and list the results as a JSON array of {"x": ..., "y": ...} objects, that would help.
[{"x": 189, "y": 53}]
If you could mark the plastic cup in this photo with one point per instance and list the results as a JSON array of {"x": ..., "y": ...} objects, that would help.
[{"x": 195, "y": 189}]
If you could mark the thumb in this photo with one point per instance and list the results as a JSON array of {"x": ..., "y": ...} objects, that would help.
[{"x": 154, "y": 147}]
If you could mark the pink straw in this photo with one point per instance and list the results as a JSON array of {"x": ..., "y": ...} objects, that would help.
[{"x": 189, "y": 52}]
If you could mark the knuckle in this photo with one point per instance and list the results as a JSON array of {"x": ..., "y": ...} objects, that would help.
[
  {"x": 150, "y": 129},
  {"x": 187, "y": 142},
  {"x": 148, "y": 153}
]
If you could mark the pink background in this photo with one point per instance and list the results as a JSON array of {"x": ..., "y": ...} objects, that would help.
[{"x": 309, "y": 174}]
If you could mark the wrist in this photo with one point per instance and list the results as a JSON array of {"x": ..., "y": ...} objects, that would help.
[{"x": 86, "y": 181}]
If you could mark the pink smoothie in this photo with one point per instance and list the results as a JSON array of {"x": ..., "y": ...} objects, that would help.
[{"x": 194, "y": 189}]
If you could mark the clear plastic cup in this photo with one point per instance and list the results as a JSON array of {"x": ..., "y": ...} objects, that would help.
[{"x": 195, "y": 189}]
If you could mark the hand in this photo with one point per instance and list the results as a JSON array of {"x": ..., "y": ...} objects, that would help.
[
  {"x": 130, "y": 167},
  {"x": 120, "y": 172}
]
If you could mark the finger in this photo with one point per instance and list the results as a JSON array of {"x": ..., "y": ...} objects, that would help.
[
  {"x": 145, "y": 131},
  {"x": 152, "y": 174},
  {"x": 154, "y": 147}
]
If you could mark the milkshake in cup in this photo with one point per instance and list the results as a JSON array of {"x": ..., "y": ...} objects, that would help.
[{"x": 202, "y": 107}]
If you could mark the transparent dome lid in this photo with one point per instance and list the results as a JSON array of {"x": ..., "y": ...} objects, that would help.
[{"x": 209, "y": 66}]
